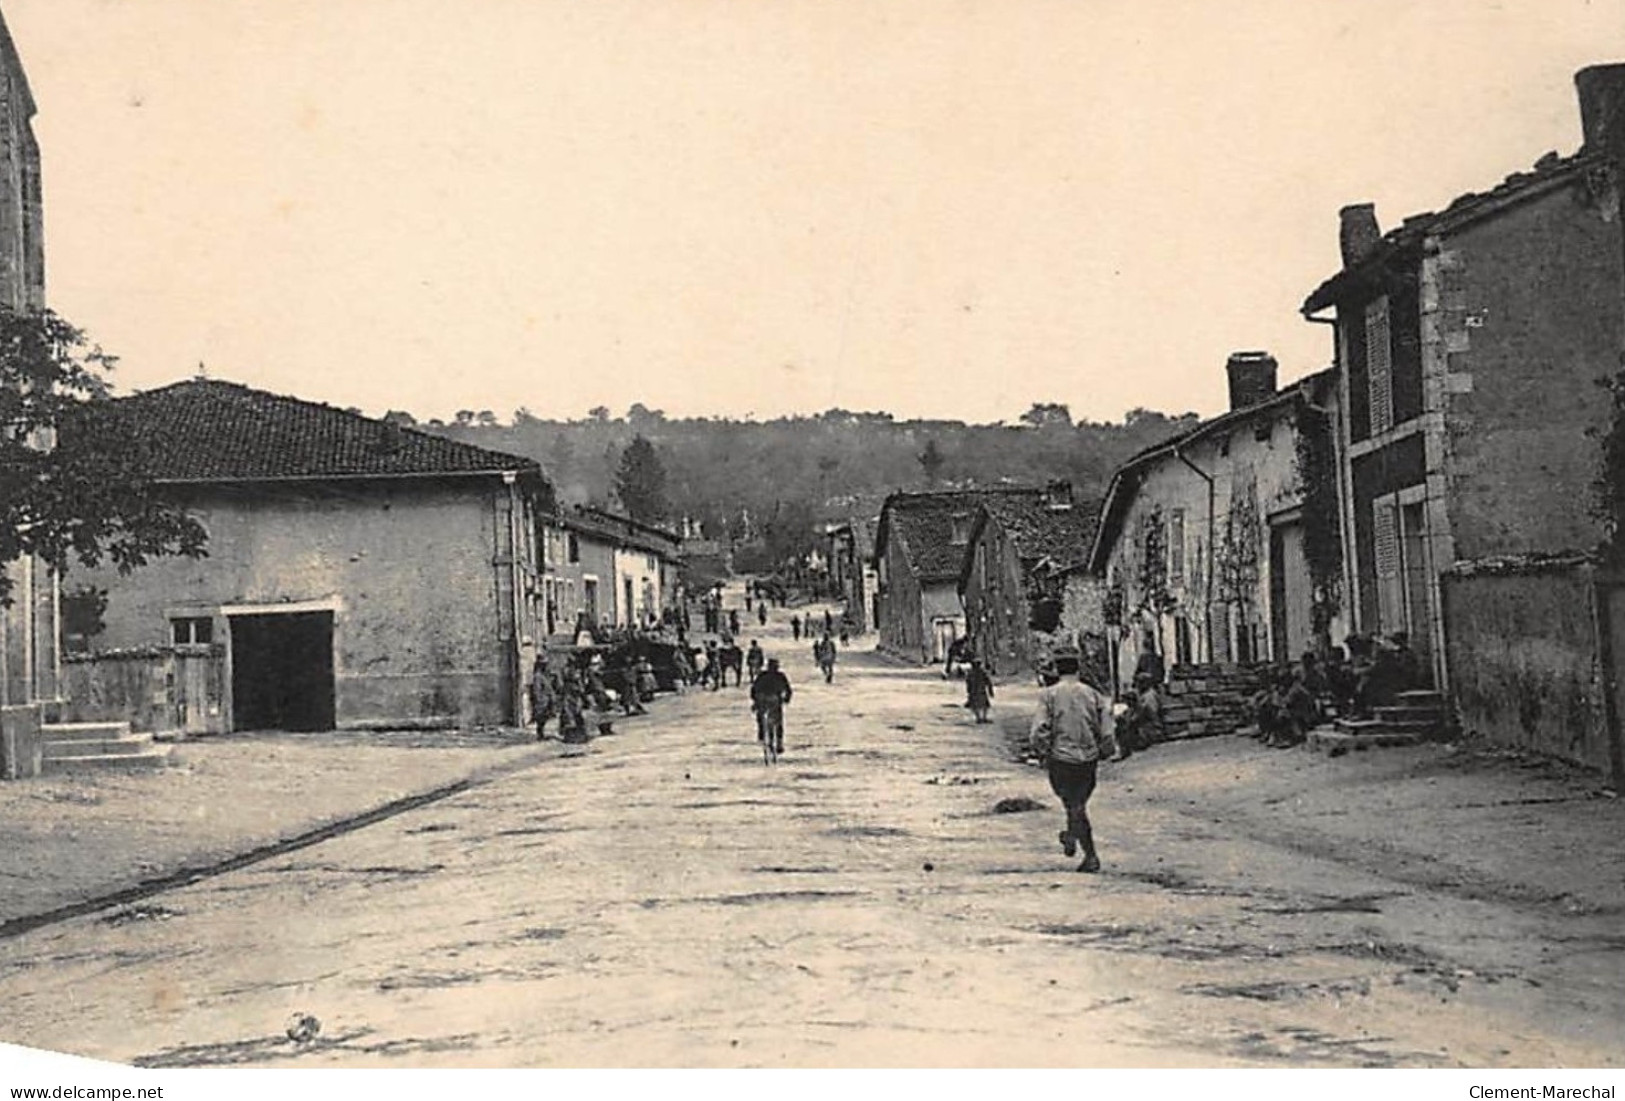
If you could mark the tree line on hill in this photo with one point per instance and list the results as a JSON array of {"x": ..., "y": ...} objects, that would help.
[{"x": 763, "y": 486}]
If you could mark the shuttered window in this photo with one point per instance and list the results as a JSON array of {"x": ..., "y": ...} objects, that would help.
[
  {"x": 1379, "y": 366},
  {"x": 1390, "y": 594}
]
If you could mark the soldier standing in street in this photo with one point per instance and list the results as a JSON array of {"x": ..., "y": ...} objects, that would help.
[{"x": 1072, "y": 733}]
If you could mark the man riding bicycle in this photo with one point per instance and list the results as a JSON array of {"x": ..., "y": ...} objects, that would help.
[{"x": 768, "y": 695}]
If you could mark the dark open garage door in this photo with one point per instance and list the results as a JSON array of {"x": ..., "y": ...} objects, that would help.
[{"x": 282, "y": 671}]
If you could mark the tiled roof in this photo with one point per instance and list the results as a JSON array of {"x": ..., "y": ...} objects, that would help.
[
  {"x": 1040, "y": 533},
  {"x": 1550, "y": 171},
  {"x": 925, "y": 521},
  {"x": 622, "y": 531},
  {"x": 205, "y": 430}
]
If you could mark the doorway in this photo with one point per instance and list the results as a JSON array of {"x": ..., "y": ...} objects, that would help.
[
  {"x": 1291, "y": 595},
  {"x": 282, "y": 671}
]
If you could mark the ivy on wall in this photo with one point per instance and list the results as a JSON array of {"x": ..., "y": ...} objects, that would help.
[
  {"x": 1608, "y": 504},
  {"x": 1322, "y": 536},
  {"x": 1152, "y": 544}
]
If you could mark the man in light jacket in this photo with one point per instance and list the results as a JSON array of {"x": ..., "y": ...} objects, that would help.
[{"x": 1072, "y": 733}]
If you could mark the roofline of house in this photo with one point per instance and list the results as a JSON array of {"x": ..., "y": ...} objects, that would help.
[
  {"x": 617, "y": 518},
  {"x": 1096, "y": 560},
  {"x": 1466, "y": 211},
  {"x": 502, "y": 460},
  {"x": 985, "y": 514},
  {"x": 393, "y": 476},
  {"x": 613, "y": 538},
  {"x": 883, "y": 524}
]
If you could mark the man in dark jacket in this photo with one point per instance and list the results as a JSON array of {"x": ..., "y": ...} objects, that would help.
[{"x": 768, "y": 695}]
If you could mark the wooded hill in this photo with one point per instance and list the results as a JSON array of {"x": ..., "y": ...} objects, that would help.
[{"x": 745, "y": 481}]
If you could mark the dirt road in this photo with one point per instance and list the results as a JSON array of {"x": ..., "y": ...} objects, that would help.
[{"x": 667, "y": 900}]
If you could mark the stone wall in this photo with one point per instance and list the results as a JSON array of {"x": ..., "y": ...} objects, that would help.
[
  {"x": 1526, "y": 663},
  {"x": 1203, "y": 700}
]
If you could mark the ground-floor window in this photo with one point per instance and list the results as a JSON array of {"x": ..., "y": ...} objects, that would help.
[{"x": 191, "y": 631}]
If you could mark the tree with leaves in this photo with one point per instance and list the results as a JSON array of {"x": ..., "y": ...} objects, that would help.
[
  {"x": 1048, "y": 414},
  {"x": 640, "y": 481},
  {"x": 72, "y": 486}
]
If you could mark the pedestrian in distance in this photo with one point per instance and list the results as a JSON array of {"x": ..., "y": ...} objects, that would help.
[
  {"x": 829, "y": 623},
  {"x": 978, "y": 690},
  {"x": 731, "y": 657},
  {"x": 824, "y": 654},
  {"x": 711, "y": 671},
  {"x": 573, "y": 728},
  {"x": 626, "y": 687},
  {"x": 733, "y": 621},
  {"x": 769, "y": 693},
  {"x": 761, "y": 615},
  {"x": 795, "y": 627},
  {"x": 1072, "y": 733},
  {"x": 754, "y": 660},
  {"x": 544, "y": 696},
  {"x": 648, "y": 684}
]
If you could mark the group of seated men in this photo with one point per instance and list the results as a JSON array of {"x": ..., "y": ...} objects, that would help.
[{"x": 1366, "y": 673}]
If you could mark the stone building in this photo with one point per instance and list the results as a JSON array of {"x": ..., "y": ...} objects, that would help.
[
  {"x": 1203, "y": 541},
  {"x": 29, "y": 661},
  {"x": 920, "y": 545},
  {"x": 1470, "y": 346},
  {"x": 606, "y": 570},
  {"x": 851, "y": 550},
  {"x": 359, "y": 574},
  {"x": 1024, "y": 581}
]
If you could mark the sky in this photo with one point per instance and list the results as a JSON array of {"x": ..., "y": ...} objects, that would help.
[{"x": 936, "y": 208}]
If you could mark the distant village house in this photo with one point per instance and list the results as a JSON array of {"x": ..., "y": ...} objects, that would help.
[
  {"x": 1024, "y": 581},
  {"x": 1203, "y": 540}
]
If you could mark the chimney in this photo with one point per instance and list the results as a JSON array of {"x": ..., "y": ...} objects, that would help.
[
  {"x": 1602, "y": 107},
  {"x": 1252, "y": 378},
  {"x": 390, "y": 438},
  {"x": 1357, "y": 232}
]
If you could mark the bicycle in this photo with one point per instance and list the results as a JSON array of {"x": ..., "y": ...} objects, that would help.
[{"x": 770, "y": 732}]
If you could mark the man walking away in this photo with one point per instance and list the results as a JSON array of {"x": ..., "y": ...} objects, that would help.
[
  {"x": 795, "y": 627},
  {"x": 978, "y": 690},
  {"x": 769, "y": 693},
  {"x": 754, "y": 659},
  {"x": 1072, "y": 732},
  {"x": 761, "y": 615}
]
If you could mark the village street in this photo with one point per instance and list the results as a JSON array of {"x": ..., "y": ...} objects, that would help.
[{"x": 665, "y": 899}]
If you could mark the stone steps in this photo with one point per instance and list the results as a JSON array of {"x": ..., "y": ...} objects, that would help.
[
  {"x": 101, "y": 747},
  {"x": 1335, "y": 742}
]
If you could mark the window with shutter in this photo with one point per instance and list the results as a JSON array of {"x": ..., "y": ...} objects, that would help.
[
  {"x": 1379, "y": 366},
  {"x": 1385, "y": 534}
]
